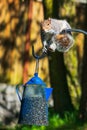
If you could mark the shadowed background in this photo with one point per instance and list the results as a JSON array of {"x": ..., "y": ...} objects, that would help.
[{"x": 66, "y": 73}]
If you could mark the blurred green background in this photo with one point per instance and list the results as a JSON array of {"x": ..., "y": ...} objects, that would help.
[{"x": 65, "y": 72}]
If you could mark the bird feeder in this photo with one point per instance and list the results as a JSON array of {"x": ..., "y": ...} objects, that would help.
[{"x": 34, "y": 100}]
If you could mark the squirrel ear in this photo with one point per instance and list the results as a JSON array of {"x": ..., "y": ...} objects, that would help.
[
  {"x": 49, "y": 19},
  {"x": 41, "y": 22}
]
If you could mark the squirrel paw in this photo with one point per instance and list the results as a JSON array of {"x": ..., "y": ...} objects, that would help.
[{"x": 44, "y": 50}]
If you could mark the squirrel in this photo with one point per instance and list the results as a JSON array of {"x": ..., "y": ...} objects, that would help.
[{"x": 54, "y": 37}]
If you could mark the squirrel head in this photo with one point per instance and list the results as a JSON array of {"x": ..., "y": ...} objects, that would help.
[{"x": 46, "y": 26}]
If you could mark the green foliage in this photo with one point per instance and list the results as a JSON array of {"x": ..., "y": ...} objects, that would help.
[{"x": 68, "y": 122}]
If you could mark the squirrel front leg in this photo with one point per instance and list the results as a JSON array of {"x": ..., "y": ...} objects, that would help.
[
  {"x": 44, "y": 46},
  {"x": 51, "y": 46}
]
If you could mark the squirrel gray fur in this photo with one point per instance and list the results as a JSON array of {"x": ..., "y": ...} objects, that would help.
[{"x": 54, "y": 37}]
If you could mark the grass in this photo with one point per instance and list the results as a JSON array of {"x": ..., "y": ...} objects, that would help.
[{"x": 68, "y": 122}]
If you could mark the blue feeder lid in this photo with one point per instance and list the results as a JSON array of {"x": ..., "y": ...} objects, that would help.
[{"x": 36, "y": 80}]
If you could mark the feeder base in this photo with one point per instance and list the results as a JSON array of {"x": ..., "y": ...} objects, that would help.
[{"x": 34, "y": 111}]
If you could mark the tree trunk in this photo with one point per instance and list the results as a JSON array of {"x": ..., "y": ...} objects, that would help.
[
  {"x": 62, "y": 100},
  {"x": 83, "y": 103},
  {"x": 80, "y": 37},
  {"x": 27, "y": 44}
]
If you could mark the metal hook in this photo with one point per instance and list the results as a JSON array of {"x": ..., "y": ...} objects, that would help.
[
  {"x": 38, "y": 57},
  {"x": 76, "y": 30}
]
